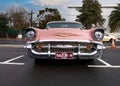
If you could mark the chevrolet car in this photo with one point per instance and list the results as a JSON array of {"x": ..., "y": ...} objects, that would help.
[{"x": 64, "y": 40}]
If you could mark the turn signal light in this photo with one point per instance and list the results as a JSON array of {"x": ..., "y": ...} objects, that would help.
[
  {"x": 40, "y": 46},
  {"x": 88, "y": 47}
]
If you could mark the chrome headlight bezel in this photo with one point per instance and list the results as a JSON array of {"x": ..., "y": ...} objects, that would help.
[
  {"x": 98, "y": 34},
  {"x": 30, "y": 34}
]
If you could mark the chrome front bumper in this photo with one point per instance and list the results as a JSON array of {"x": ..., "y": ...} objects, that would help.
[{"x": 96, "y": 53}]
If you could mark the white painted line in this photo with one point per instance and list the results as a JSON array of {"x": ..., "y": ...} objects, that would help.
[
  {"x": 13, "y": 59},
  {"x": 115, "y": 66},
  {"x": 97, "y": 66},
  {"x": 107, "y": 64},
  {"x": 11, "y": 63},
  {"x": 103, "y": 66}
]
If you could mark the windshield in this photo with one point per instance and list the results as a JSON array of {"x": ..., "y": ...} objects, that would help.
[{"x": 64, "y": 25}]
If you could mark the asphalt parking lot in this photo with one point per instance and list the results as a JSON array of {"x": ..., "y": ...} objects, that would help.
[{"x": 17, "y": 69}]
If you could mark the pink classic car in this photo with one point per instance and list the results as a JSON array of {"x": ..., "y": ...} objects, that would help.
[{"x": 64, "y": 40}]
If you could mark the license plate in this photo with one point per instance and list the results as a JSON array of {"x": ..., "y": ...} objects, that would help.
[{"x": 64, "y": 55}]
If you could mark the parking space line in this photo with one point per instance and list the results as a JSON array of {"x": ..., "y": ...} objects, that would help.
[
  {"x": 115, "y": 66},
  {"x": 13, "y": 59},
  {"x": 13, "y": 63},
  {"x": 107, "y": 65},
  {"x": 102, "y": 66}
]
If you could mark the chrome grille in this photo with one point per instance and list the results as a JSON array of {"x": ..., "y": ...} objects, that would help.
[
  {"x": 54, "y": 48},
  {"x": 64, "y": 49}
]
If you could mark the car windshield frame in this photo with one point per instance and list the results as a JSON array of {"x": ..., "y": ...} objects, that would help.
[{"x": 64, "y": 25}]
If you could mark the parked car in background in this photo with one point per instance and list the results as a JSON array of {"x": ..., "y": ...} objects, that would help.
[
  {"x": 118, "y": 37},
  {"x": 108, "y": 38},
  {"x": 64, "y": 40}
]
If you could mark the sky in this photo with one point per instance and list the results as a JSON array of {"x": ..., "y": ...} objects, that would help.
[
  {"x": 61, "y": 5},
  {"x": 40, "y": 3}
]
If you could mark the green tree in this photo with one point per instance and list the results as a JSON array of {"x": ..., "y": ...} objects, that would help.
[
  {"x": 90, "y": 14},
  {"x": 3, "y": 22},
  {"x": 114, "y": 19},
  {"x": 48, "y": 14},
  {"x": 19, "y": 18}
]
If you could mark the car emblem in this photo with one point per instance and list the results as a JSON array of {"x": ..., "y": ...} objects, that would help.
[{"x": 66, "y": 34}]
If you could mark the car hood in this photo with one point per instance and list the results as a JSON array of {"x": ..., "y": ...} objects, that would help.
[{"x": 64, "y": 34}]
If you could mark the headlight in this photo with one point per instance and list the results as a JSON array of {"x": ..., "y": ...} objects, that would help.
[
  {"x": 30, "y": 34},
  {"x": 98, "y": 34}
]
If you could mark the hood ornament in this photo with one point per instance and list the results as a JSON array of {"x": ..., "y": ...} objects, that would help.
[{"x": 66, "y": 34}]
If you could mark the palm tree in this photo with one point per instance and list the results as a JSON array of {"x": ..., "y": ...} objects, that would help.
[{"x": 114, "y": 19}]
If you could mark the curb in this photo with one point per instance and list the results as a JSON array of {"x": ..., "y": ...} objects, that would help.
[
  {"x": 112, "y": 48},
  {"x": 11, "y": 46}
]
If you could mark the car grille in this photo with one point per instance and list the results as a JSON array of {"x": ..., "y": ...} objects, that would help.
[{"x": 64, "y": 47}]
